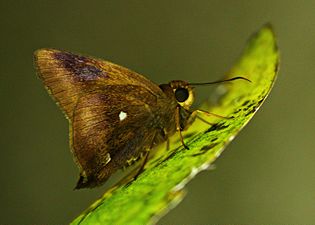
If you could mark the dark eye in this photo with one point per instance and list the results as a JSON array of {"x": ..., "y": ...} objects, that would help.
[{"x": 181, "y": 94}]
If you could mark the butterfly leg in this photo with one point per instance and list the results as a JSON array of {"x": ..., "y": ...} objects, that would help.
[
  {"x": 167, "y": 144},
  {"x": 178, "y": 128},
  {"x": 205, "y": 121},
  {"x": 166, "y": 139},
  {"x": 145, "y": 160},
  {"x": 210, "y": 114}
]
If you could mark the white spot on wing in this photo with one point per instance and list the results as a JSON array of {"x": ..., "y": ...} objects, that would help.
[
  {"x": 107, "y": 158},
  {"x": 122, "y": 115}
]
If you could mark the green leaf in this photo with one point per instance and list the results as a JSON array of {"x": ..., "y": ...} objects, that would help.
[{"x": 160, "y": 186}]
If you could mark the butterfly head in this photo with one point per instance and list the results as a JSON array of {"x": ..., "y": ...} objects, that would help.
[{"x": 183, "y": 92}]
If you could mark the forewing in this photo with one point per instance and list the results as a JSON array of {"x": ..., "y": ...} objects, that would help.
[
  {"x": 117, "y": 122},
  {"x": 68, "y": 76}
]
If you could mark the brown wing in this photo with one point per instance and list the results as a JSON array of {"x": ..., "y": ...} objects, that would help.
[
  {"x": 111, "y": 127},
  {"x": 92, "y": 93},
  {"x": 67, "y": 76}
]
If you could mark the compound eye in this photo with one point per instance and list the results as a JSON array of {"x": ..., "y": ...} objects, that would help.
[{"x": 181, "y": 94}]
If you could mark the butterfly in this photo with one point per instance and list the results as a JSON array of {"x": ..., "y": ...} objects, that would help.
[{"x": 116, "y": 116}]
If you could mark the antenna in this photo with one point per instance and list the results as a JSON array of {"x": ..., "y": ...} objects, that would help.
[{"x": 221, "y": 81}]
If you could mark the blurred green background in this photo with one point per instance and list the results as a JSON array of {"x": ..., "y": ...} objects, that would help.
[{"x": 266, "y": 176}]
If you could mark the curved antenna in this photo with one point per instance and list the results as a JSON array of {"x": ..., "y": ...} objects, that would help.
[{"x": 221, "y": 81}]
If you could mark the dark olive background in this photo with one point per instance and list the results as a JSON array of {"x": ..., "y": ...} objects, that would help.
[{"x": 266, "y": 176}]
